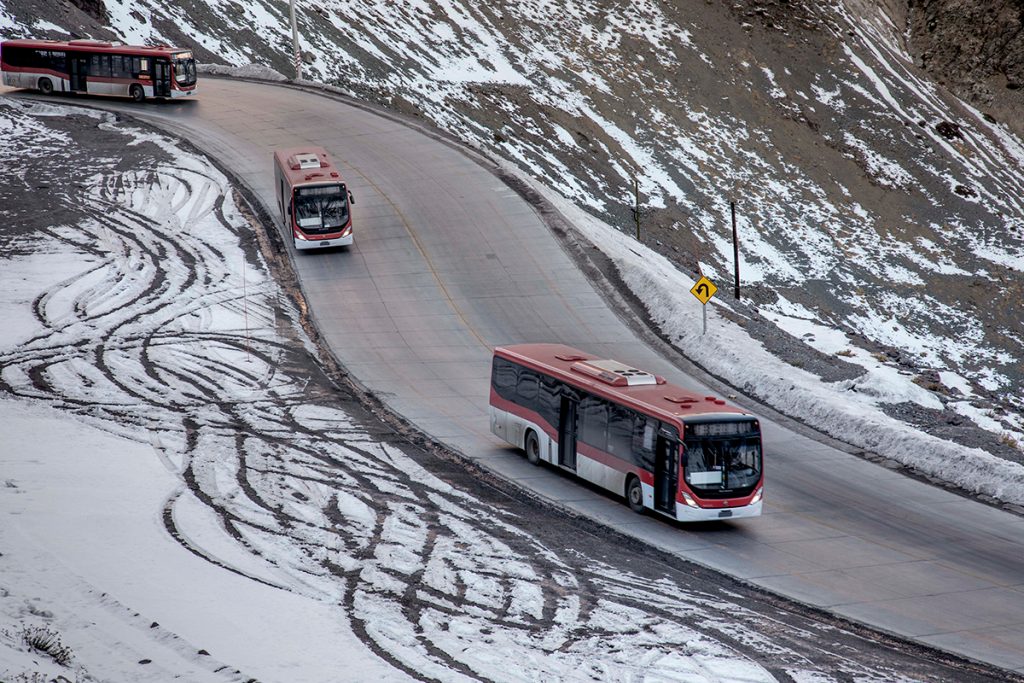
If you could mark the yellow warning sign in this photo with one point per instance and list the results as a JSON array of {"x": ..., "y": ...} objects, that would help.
[{"x": 704, "y": 290}]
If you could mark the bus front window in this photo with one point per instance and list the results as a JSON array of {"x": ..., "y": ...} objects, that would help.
[
  {"x": 184, "y": 68},
  {"x": 721, "y": 460},
  {"x": 321, "y": 209}
]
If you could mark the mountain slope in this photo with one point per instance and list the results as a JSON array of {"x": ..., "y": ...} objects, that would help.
[{"x": 871, "y": 200}]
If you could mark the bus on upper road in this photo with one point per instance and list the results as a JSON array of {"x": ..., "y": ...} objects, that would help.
[
  {"x": 312, "y": 200},
  {"x": 98, "y": 67},
  {"x": 683, "y": 455}
]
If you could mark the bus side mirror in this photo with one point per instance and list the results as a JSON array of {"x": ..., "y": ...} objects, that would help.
[
  {"x": 289, "y": 208},
  {"x": 351, "y": 199}
]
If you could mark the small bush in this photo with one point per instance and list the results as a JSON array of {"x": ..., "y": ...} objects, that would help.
[
  {"x": 1007, "y": 439},
  {"x": 42, "y": 639}
]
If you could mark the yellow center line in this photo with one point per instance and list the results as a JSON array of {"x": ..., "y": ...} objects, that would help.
[{"x": 430, "y": 263}]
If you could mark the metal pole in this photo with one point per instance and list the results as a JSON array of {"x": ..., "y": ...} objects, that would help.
[
  {"x": 296, "y": 53},
  {"x": 704, "y": 308},
  {"x": 735, "y": 249}
]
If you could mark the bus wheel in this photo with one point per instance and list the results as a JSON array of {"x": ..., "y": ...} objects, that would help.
[
  {"x": 532, "y": 448},
  {"x": 137, "y": 93},
  {"x": 634, "y": 494},
  {"x": 45, "y": 86}
]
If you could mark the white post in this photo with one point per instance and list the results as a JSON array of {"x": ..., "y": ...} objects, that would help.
[
  {"x": 245, "y": 311},
  {"x": 297, "y": 53}
]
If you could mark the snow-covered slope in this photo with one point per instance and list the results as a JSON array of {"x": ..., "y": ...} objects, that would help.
[{"x": 881, "y": 220}]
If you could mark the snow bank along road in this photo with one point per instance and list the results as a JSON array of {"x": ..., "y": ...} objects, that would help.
[{"x": 448, "y": 262}]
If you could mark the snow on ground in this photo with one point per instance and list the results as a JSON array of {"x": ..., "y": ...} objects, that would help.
[
  {"x": 86, "y": 557},
  {"x": 182, "y": 495}
]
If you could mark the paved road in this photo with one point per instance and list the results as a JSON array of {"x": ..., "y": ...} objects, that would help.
[{"x": 448, "y": 262}]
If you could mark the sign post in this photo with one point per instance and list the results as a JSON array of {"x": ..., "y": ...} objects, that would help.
[{"x": 704, "y": 289}]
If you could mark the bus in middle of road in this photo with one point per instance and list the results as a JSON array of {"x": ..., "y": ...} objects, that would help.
[
  {"x": 313, "y": 202},
  {"x": 677, "y": 453}
]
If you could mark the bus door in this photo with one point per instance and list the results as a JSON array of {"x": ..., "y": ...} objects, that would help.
[
  {"x": 161, "y": 78},
  {"x": 567, "y": 424},
  {"x": 79, "y": 71},
  {"x": 666, "y": 472}
]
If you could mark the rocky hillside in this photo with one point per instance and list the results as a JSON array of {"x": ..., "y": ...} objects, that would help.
[
  {"x": 873, "y": 200},
  {"x": 976, "y": 49}
]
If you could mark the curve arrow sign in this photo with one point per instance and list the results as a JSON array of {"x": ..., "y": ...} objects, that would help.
[{"x": 704, "y": 289}]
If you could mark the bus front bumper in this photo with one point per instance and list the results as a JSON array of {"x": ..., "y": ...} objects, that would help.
[{"x": 685, "y": 513}]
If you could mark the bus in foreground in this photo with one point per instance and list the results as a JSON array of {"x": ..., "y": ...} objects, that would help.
[
  {"x": 312, "y": 199},
  {"x": 683, "y": 455},
  {"x": 98, "y": 68}
]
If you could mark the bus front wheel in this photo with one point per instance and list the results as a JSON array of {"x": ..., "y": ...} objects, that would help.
[
  {"x": 137, "y": 93},
  {"x": 532, "y": 448},
  {"x": 45, "y": 86},
  {"x": 634, "y": 494}
]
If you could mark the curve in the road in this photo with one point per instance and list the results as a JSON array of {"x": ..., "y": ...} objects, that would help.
[{"x": 449, "y": 261}]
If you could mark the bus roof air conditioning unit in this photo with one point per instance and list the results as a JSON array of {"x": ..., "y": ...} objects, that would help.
[{"x": 615, "y": 373}]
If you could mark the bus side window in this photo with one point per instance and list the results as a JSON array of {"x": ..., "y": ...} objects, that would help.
[
  {"x": 504, "y": 376},
  {"x": 117, "y": 66},
  {"x": 593, "y": 412},
  {"x": 528, "y": 389},
  {"x": 15, "y": 56},
  {"x": 644, "y": 430},
  {"x": 549, "y": 400},
  {"x": 620, "y": 432}
]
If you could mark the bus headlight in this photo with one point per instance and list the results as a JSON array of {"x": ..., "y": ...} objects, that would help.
[
  {"x": 757, "y": 496},
  {"x": 299, "y": 235},
  {"x": 689, "y": 500}
]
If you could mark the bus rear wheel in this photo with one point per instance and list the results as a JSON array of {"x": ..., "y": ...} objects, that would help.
[
  {"x": 137, "y": 93},
  {"x": 634, "y": 494},
  {"x": 45, "y": 86},
  {"x": 532, "y": 448}
]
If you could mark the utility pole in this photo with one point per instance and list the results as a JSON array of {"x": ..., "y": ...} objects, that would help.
[
  {"x": 636, "y": 206},
  {"x": 296, "y": 52}
]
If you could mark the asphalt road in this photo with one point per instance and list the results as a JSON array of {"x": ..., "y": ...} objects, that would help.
[{"x": 448, "y": 262}]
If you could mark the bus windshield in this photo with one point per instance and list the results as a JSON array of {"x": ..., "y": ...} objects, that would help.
[
  {"x": 722, "y": 458},
  {"x": 321, "y": 209},
  {"x": 184, "y": 68}
]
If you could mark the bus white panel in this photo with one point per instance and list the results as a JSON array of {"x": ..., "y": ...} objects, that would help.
[
  {"x": 705, "y": 478},
  {"x": 498, "y": 422},
  {"x": 648, "y": 492},
  {"x": 600, "y": 474}
]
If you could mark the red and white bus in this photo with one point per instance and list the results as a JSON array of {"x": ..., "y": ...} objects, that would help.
[
  {"x": 312, "y": 200},
  {"x": 686, "y": 456},
  {"x": 98, "y": 67}
]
